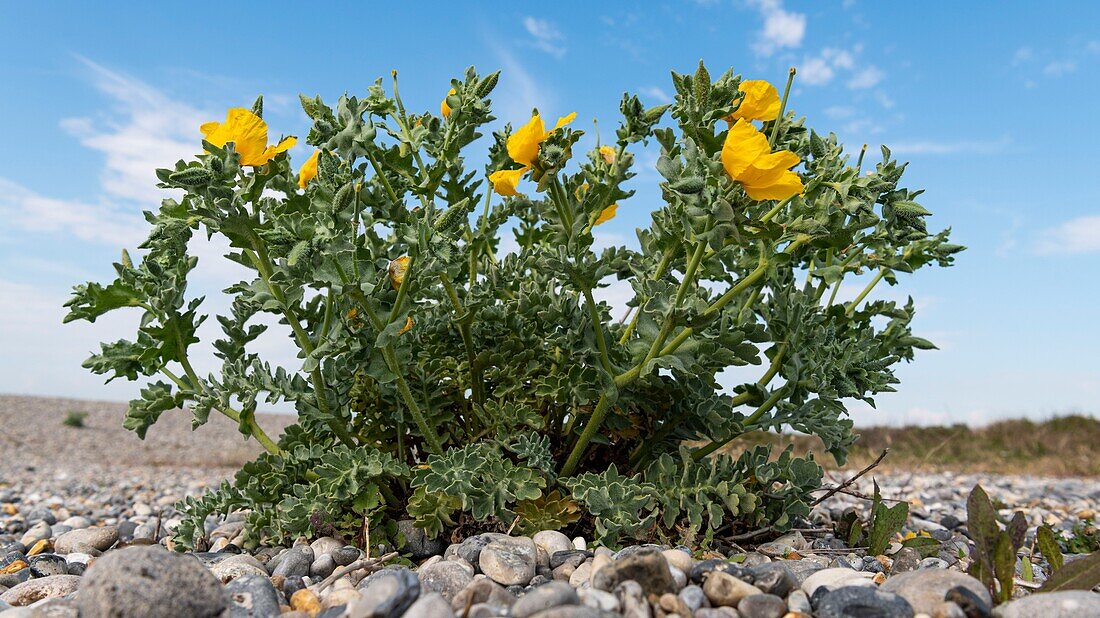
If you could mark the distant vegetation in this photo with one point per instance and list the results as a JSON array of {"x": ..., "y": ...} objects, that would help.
[
  {"x": 1062, "y": 446},
  {"x": 75, "y": 418}
]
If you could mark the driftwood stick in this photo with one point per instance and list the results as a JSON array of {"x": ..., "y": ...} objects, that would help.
[
  {"x": 364, "y": 563},
  {"x": 848, "y": 483}
]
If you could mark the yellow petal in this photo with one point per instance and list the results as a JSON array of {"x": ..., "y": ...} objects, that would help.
[
  {"x": 246, "y": 130},
  {"x": 761, "y": 101},
  {"x": 209, "y": 127},
  {"x": 523, "y": 145},
  {"x": 397, "y": 270},
  {"x": 308, "y": 170},
  {"x": 606, "y": 214},
  {"x": 505, "y": 181},
  {"x": 787, "y": 185},
  {"x": 608, "y": 154},
  {"x": 443, "y": 107},
  {"x": 407, "y": 327},
  {"x": 564, "y": 120},
  {"x": 743, "y": 145}
]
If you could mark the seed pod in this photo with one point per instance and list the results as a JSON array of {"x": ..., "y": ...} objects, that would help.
[
  {"x": 192, "y": 177},
  {"x": 689, "y": 184},
  {"x": 702, "y": 84},
  {"x": 487, "y": 83},
  {"x": 449, "y": 220},
  {"x": 817, "y": 145},
  {"x": 327, "y": 166},
  {"x": 654, "y": 113},
  {"x": 343, "y": 197},
  {"x": 258, "y": 106}
]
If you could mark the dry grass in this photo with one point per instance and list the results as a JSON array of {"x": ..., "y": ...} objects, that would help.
[{"x": 1062, "y": 446}]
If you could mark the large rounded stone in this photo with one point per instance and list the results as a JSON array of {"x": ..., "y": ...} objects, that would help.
[
  {"x": 544, "y": 597},
  {"x": 851, "y": 601},
  {"x": 294, "y": 562},
  {"x": 926, "y": 589},
  {"x": 151, "y": 582},
  {"x": 482, "y": 591},
  {"x": 34, "y": 590},
  {"x": 725, "y": 590},
  {"x": 647, "y": 566},
  {"x": 552, "y": 541},
  {"x": 446, "y": 577},
  {"x": 431, "y": 605},
  {"x": 1066, "y": 604},
  {"x": 838, "y": 578},
  {"x": 386, "y": 593},
  {"x": 100, "y": 539},
  {"x": 509, "y": 561},
  {"x": 252, "y": 596}
]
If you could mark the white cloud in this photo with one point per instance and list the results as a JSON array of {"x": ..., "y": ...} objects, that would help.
[
  {"x": 931, "y": 147},
  {"x": 838, "y": 112},
  {"x": 1058, "y": 68},
  {"x": 815, "y": 72},
  {"x": 149, "y": 130},
  {"x": 97, "y": 222},
  {"x": 1022, "y": 55},
  {"x": 782, "y": 28},
  {"x": 655, "y": 93},
  {"x": 546, "y": 35},
  {"x": 518, "y": 92},
  {"x": 865, "y": 78},
  {"x": 1080, "y": 235}
]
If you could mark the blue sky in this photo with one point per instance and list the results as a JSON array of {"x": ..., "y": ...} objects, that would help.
[{"x": 994, "y": 105}]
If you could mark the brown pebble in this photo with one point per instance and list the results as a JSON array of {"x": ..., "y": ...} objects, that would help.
[
  {"x": 306, "y": 600},
  {"x": 42, "y": 546},
  {"x": 14, "y": 567}
]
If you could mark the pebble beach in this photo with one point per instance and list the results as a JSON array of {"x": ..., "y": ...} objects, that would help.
[{"x": 86, "y": 515}]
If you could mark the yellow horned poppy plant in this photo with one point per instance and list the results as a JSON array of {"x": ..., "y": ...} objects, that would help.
[
  {"x": 608, "y": 154},
  {"x": 397, "y": 270},
  {"x": 606, "y": 214},
  {"x": 248, "y": 132},
  {"x": 523, "y": 148},
  {"x": 761, "y": 101},
  {"x": 308, "y": 171},
  {"x": 763, "y": 174}
]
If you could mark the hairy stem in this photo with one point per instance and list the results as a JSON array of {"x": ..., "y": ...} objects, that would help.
[
  {"x": 755, "y": 416},
  {"x": 463, "y": 318},
  {"x": 866, "y": 290}
]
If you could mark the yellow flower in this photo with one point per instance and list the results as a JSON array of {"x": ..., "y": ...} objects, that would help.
[
  {"x": 763, "y": 174},
  {"x": 523, "y": 148},
  {"x": 397, "y": 270},
  {"x": 443, "y": 107},
  {"x": 308, "y": 171},
  {"x": 606, "y": 214},
  {"x": 523, "y": 145},
  {"x": 761, "y": 101},
  {"x": 608, "y": 154},
  {"x": 504, "y": 182},
  {"x": 248, "y": 132},
  {"x": 407, "y": 327}
]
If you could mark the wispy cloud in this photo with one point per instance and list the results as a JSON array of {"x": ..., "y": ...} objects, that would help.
[
  {"x": 1058, "y": 68},
  {"x": 782, "y": 28},
  {"x": 518, "y": 92},
  {"x": 656, "y": 93},
  {"x": 97, "y": 222},
  {"x": 546, "y": 36},
  {"x": 1080, "y": 235},
  {"x": 867, "y": 77},
  {"x": 833, "y": 62},
  {"x": 932, "y": 147}
]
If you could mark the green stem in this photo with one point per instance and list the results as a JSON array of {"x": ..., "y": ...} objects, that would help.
[
  {"x": 463, "y": 319},
  {"x": 867, "y": 290},
  {"x": 598, "y": 414},
  {"x": 253, "y": 427},
  {"x": 782, "y": 107},
  {"x": 755, "y": 416},
  {"x": 657, "y": 274},
  {"x": 597, "y": 327}
]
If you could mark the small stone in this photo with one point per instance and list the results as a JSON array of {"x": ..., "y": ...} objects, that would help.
[
  {"x": 646, "y": 566},
  {"x": 933, "y": 563},
  {"x": 947, "y": 609},
  {"x": 294, "y": 562},
  {"x": 322, "y": 567},
  {"x": 417, "y": 543},
  {"x": 599, "y": 599},
  {"x": 509, "y": 561},
  {"x": 252, "y": 596},
  {"x": 632, "y": 600},
  {"x": 579, "y": 543},
  {"x": 430, "y": 605},
  {"x": 907, "y": 559},
  {"x": 290, "y": 584},
  {"x": 470, "y": 549},
  {"x": 775, "y": 578},
  {"x": 229, "y": 570},
  {"x": 99, "y": 539},
  {"x": 152, "y": 582},
  {"x": 76, "y": 522},
  {"x": 36, "y": 533},
  {"x": 483, "y": 591},
  {"x": 1065, "y": 604},
  {"x": 723, "y": 589},
  {"x": 672, "y": 604},
  {"x": 679, "y": 578},
  {"x": 694, "y": 597},
  {"x": 305, "y": 600},
  {"x": 762, "y": 606},
  {"x": 345, "y": 555},
  {"x": 581, "y": 575},
  {"x": 44, "y": 565},
  {"x": 325, "y": 545},
  {"x": 718, "y": 612},
  {"x": 40, "y": 547},
  {"x": 542, "y": 598},
  {"x": 798, "y": 602},
  {"x": 836, "y": 578},
  {"x": 34, "y": 590},
  {"x": 386, "y": 593},
  {"x": 679, "y": 559},
  {"x": 552, "y": 541},
  {"x": 446, "y": 577},
  {"x": 969, "y": 603},
  {"x": 146, "y": 531},
  {"x": 856, "y": 601},
  {"x": 925, "y": 589},
  {"x": 599, "y": 561},
  {"x": 702, "y": 567},
  {"x": 571, "y": 556}
]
